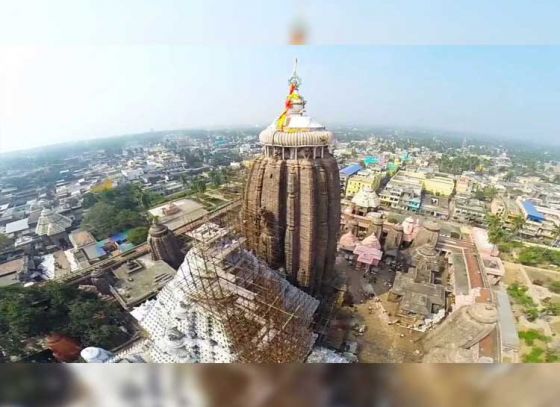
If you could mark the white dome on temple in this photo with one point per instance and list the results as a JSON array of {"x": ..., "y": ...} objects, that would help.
[
  {"x": 366, "y": 198},
  {"x": 294, "y": 127},
  {"x": 92, "y": 354}
]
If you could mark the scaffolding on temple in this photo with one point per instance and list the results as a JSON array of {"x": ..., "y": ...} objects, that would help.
[
  {"x": 264, "y": 318},
  {"x": 227, "y": 305}
]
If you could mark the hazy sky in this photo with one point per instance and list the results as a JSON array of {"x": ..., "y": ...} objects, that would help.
[{"x": 82, "y": 69}]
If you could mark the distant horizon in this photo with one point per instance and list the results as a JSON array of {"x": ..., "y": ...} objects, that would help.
[
  {"x": 446, "y": 133},
  {"x": 54, "y": 95}
]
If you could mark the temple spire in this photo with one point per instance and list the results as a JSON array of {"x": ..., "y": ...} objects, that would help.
[{"x": 294, "y": 80}]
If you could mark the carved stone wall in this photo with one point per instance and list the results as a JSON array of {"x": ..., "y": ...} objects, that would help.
[
  {"x": 291, "y": 213},
  {"x": 164, "y": 245}
]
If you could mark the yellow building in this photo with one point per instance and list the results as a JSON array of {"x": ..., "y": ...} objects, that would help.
[
  {"x": 103, "y": 186},
  {"x": 439, "y": 185},
  {"x": 358, "y": 182}
]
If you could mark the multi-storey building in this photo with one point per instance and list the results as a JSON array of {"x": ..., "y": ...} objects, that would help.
[
  {"x": 403, "y": 192},
  {"x": 468, "y": 210},
  {"x": 363, "y": 179}
]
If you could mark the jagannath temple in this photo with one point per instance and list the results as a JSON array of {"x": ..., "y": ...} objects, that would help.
[
  {"x": 291, "y": 210},
  {"x": 248, "y": 288}
]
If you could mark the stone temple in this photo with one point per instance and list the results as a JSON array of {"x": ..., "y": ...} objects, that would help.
[
  {"x": 224, "y": 305},
  {"x": 164, "y": 245},
  {"x": 291, "y": 211}
]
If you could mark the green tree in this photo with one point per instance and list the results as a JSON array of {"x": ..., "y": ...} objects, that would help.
[
  {"x": 104, "y": 220},
  {"x": 555, "y": 235},
  {"x": 509, "y": 176},
  {"x": 5, "y": 242},
  {"x": 486, "y": 194},
  {"x": 138, "y": 235},
  {"x": 99, "y": 220},
  {"x": 89, "y": 200},
  {"x": 517, "y": 224},
  {"x": 198, "y": 186},
  {"x": 216, "y": 178},
  {"x": 34, "y": 312}
]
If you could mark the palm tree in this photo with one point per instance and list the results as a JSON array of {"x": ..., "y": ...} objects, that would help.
[
  {"x": 198, "y": 186},
  {"x": 517, "y": 224},
  {"x": 555, "y": 235},
  {"x": 145, "y": 200},
  {"x": 494, "y": 221},
  {"x": 496, "y": 232}
]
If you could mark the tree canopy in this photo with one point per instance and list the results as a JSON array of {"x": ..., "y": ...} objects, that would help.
[
  {"x": 458, "y": 164},
  {"x": 5, "y": 242},
  {"x": 34, "y": 312},
  {"x": 115, "y": 210},
  {"x": 138, "y": 235},
  {"x": 486, "y": 194}
]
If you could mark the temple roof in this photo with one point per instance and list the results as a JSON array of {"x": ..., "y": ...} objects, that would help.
[
  {"x": 366, "y": 198},
  {"x": 348, "y": 241},
  {"x": 51, "y": 223},
  {"x": 372, "y": 241}
]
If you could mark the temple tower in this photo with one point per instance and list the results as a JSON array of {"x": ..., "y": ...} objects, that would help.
[
  {"x": 291, "y": 212},
  {"x": 164, "y": 245},
  {"x": 428, "y": 234}
]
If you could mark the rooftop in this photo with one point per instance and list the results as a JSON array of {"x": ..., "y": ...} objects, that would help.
[
  {"x": 51, "y": 223},
  {"x": 351, "y": 170},
  {"x": 9, "y": 271},
  {"x": 81, "y": 238},
  {"x": 532, "y": 212},
  {"x": 17, "y": 226},
  {"x": 135, "y": 284}
]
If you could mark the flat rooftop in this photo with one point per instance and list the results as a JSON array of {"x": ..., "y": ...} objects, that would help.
[
  {"x": 460, "y": 273},
  {"x": 188, "y": 210},
  {"x": 9, "y": 271},
  {"x": 141, "y": 279}
]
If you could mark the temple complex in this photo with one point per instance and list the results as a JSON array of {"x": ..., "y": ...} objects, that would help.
[{"x": 291, "y": 211}]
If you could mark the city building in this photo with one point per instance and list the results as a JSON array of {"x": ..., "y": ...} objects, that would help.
[
  {"x": 137, "y": 280},
  {"x": 53, "y": 226},
  {"x": 421, "y": 291},
  {"x": 435, "y": 205},
  {"x": 291, "y": 210},
  {"x": 346, "y": 173},
  {"x": 465, "y": 185},
  {"x": 403, "y": 192},
  {"x": 360, "y": 214},
  {"x": 363, "y": 179},
  {"x": 457, "y": 339},
  {"x": 13, "y": 271},
  {"x": 439, "y": 185},
  {"x": 468, "y": 210}
]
